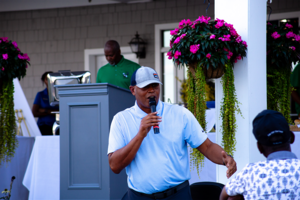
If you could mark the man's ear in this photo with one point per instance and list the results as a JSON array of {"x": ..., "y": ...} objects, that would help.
[
  {"x": 132, "y": 90},
  {"x": 292, "y": 140}
]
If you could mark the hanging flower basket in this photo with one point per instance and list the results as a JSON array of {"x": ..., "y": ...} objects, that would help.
[
  {"x": 209, "y": 49},
  {"x": 283, "y": 47},
  {"x": 209, "y": 73},
  {"x": 13, "y": 63}
]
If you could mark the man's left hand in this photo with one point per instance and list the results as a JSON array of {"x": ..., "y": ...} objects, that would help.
[{"x": 229, "y": 163}]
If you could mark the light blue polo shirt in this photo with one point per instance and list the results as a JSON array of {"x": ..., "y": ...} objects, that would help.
[{"x": 162, "y": 159}]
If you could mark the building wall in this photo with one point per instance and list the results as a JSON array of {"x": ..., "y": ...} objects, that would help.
[{"x": 55, "y": 39}]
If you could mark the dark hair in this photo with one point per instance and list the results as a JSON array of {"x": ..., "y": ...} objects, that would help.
[
  {"x": 113, "y": 44},
  {"x": 44, "y": 75}
]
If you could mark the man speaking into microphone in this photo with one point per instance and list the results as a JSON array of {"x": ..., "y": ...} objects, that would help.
[{"x": 157, "y": 165}]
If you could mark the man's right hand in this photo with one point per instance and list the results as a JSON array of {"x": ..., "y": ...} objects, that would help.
[{"x": 147, "y": 122}]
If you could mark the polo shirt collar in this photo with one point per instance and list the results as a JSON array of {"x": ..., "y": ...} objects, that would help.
[
  {"x": 141, "y": 114},
  {"x": 281, "y": 155},
  {"x": 119, "y": 63}
]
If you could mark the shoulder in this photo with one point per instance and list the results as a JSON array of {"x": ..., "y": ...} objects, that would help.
[
  {"x": 123, "y": 115},
  {"x": 177, "y": 109},
  {"x": 105, "y": 67},
  {"x": 129, "y": 62}
]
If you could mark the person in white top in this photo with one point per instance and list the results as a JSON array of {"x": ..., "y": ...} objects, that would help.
[
  {"x": 278, "y": 177},
  {"x": 157, "y": 164}
]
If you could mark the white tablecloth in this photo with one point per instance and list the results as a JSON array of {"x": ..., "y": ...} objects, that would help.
[
  {"x": 42, "y": 173},
  {"x": 17, "y": 167}
]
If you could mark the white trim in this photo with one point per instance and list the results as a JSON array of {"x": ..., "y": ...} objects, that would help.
[
  {"x": 285, "y": 15},
  {"x": 158, "y": 46},
  {"x": 90, "y": 59}
]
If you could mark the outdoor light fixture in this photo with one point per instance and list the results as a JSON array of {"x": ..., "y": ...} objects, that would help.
[{"x": 138, "y": 46}]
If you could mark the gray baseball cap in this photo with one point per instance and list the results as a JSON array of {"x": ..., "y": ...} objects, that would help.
[{"x": 144, "y": 76}]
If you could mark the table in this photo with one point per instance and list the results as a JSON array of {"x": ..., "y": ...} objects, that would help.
[
  {"x": 17, "y": 168},
  {"x": 42, "y": 174}
]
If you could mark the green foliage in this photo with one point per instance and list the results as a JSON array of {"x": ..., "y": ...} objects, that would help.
[
  {"x": 229, "y": 106},
  {"x": 13, "y": 64},
  {"x": 279, "y": 92},
  {"x": 197, "y": 105},
  {"x": 281, "y": 52},
  {"x": 8, "y": 140},
  {"x": 199, "y": 33}
]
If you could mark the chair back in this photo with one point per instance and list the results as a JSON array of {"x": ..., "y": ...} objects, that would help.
[{"x": 206, "y": 190}]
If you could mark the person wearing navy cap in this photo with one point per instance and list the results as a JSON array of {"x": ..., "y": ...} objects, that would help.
[
  {"x": 278, "y": 177},
  {"x": 157, "y": 165}
]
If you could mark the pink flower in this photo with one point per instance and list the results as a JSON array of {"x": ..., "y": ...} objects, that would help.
[
  {"x": 183, "y": 35},
  {"x": 203, "y": 19},
  {"x": 18, "y": 49},
  {"x": 220, "y": 38},
  {"x": 288, "y": 25},
  {"x": 194, "y": 48},
  {"x": 188, "y": 22},
  {"x": 235, "y": 60},
  {"x": 177, "y": 54},
  {"x": 208, "y": 55},
  {"x": 212, "y": 37},
  {"x": 4, "y": 39},
  {"x": 233, "y": 32},
  {"x": 238, "y": 39},
  {"x": 5, "y": 56},
  {"x": 269, "y": 23},
  {"x": 193, "y": 26},
  {"x": 184, "y": 23},
  {"x": 15, "y": 44},
  {"x": 3, "y": 69},
  {"x": 297, "y": 38},
  {"x": 20, "y": 57},
  {"x": 171, "y": 43},
  {"x": 293, "y": 48},
  {"x": 174, "y": 32},
  {"x": 290, "y": 34},
  {"x": 177, "y": 40},
  {"x": 227, "y": 25},
  {"x": 239, "y": 57},
  {"x": 169, "y": 54},
  {"x": 219, "y": 24},
  {"x": 229, "y": 54},
  {"x": 245, "y": 44},
  {"x": 275, "y": 35},
  {"x": 0, "y": 41},
  {"x": 25, "y": 56}
]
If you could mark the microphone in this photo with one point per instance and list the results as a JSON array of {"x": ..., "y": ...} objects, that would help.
[{"x": 152, "y": 104}]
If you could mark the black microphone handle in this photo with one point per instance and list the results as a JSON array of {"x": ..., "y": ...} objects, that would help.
[{"x": 155, "y": 128}]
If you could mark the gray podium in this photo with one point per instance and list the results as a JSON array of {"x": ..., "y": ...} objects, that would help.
[{"x": 86, "y": 111}]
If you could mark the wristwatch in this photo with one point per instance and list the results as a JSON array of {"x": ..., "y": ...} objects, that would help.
[{"x": 229, "y": 156}]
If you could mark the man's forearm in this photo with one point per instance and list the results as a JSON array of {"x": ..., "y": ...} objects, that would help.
[
  {"x": 211, "y": 151},
  {"x": 224, "y": 195},
  {"x": 123, "y": 157}
]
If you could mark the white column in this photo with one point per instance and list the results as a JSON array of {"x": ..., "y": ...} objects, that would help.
[{"x": 249, "y": 19}]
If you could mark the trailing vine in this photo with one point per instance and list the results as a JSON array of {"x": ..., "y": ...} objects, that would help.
[
  {"x": 229, "y": 106},
  {"x": 279, "y": 91},
  {"x": 8, "y": 140},
  {"x": 197, "y": 105}
]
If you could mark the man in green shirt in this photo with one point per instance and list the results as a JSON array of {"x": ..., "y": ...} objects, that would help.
[{"x": 118, "y": 70}]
